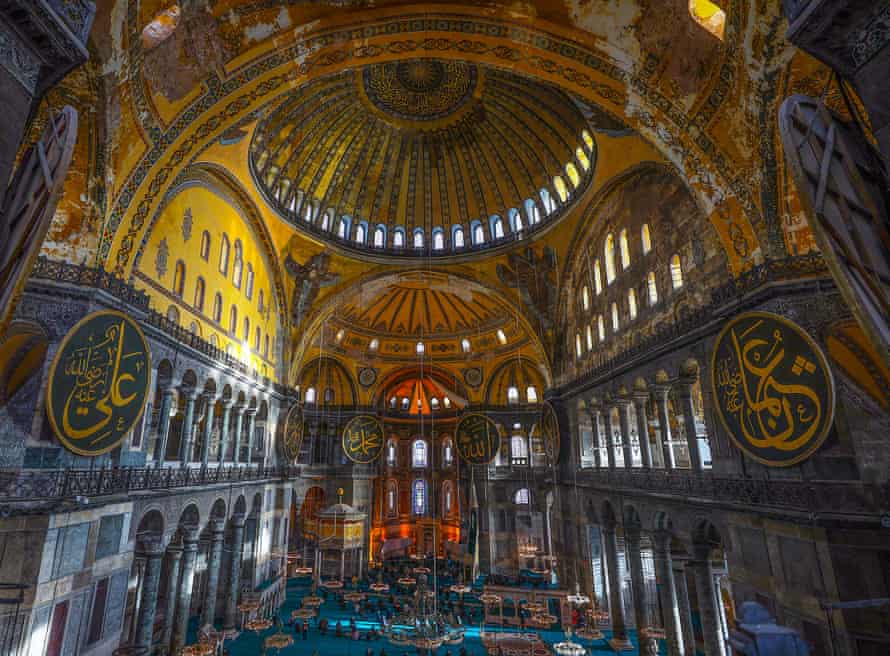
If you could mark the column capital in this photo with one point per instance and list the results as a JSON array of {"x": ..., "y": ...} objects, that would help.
[
  {"x": 217, "y": 527},
  {"x": 227, "y": 404},
  {"x": 189, "y": 538},
  {"x": 239, "y": 520},
  {"x": 684, "y": 386},
  {"x": 174, "y": 551},
  {"x": 640, "y": 397},
  {"x": 150, "y": 547},
  {"x": 188, "y": 393},
  {"x": 633, "y": 532},
  {"x": 701, "y": 552},
  {"x": 661, "y": 541}
]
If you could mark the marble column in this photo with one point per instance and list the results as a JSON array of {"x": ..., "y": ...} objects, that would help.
[
  {"x": 624, "y": 423},
  {"x": 234, "y": 572},
  {"x": 708, "y": 610},
  {"x": 214, "y": 560},
  {"x": 610, "y": 438},
  {"x": 174, "y": 554},
  {"x": 224, "y": 431},
  {"x": 184, "y": 593},
  {"x": 209, "y": 414},
  {"x": 639, "y": 401},
  {"x": 251, "y": 429},
  {"x": 685, "y": 610},
  {"x": 619, "y": 641},
  {"x": 664, "y": 425},
  {"x": 667, "y": 594},
  {"x": 236, "y": 444},
  {"x": 634, "y": 552},
  {"x": 597, "y": 437},
  {"x": 167, "y": 396},
  {"x": 152, "y": 552},
  {"x": 185, "y": 441},
  {"x": 685, "y": 395}
]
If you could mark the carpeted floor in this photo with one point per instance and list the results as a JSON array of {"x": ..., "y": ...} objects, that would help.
[{"x": 251, "y": 644}]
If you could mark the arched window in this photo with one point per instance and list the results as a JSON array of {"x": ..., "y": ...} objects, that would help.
[
  {"x": 194, "y": 329},
  {"x": 625, "y": 249},
  {"x": 653, "y": 289},
  {"x": 217, "y": 307},
  {"x": 256, "y": 339},
  {"x": 360, "y": 233},
  {"x": 457, "y": 237},
  {"x": 632, "y": 303},
  {"x": 562, "y": 192},
  {"x": 224, "y": 255},
  {"x": 532, "y": 212},
  {"x": 343, "y": 226},
  {"x": 646, "y": 238},
  {"x": 521, "y": 497},
  {"x": 572, "y": 175},
  {"x": 420, "y": 348},
  {"x": 248, "y": 287},
  {"x": 496, "y": 225},
  {"x": 379, "y": 237},
  {"x": 310, "y": 395},
  {"x": 418, "y": 504},
  {"x": 173, "y": 314},
  {"x": 446, "y": 497},
  {"x": 616, "y": 325},
  {"x": 398, "y": 238},
  {"x": 199, "y": 294},
  {"x": 179, "y": 278},
  {"x": 709, "y": 16},
  {"x": 438, "y": 239},
  {"x": 583, "y": 159},
  {"x": 214, "y": 341},
  {"x": 205, "y": 246},
  {"x": 418, "y": 454},
  {"x": 246, "y": 331},
  {"x": 597, "y": 277},
  {"x": 516, "y": 224},
  {"x": 447, "y": 453},
  {"x": 609, "y": 256},
  {"x": 233, "y": 321},
  {"x": 266, "y": 346},
  {"x": 434, "y": 403},
  {"x": 406, "y": 403},
  {"x": 579, "y": 349},
  {"x": 326, "y": 220},
  {"x": 502, "y": 338},
  {"x": 531, "y": 393},
  {"x": 478, "y": 234},
  {"x": 328, "y": 395},
  {"x": 391, "y": 445},
  {"x": 446, "y": 402},
  {"x": 391, "y": 498},
  {"x": 512, "y": 395},
  {"x": 418, "y": 238},
  {"x": 547, "y": 201},
  {"x": 585, "y": 298},
  {"x": 261, "y": 302},
  {"x": 589, "y": 334},
  {"x": 601, "y": 328},
  {"x": 237, "y": 264},
  {"x": 676, "y": 272},
  {"x": 374, "y": 344},
  {"x": 307, "y": 212},
  {"x": 518, "y": 450},
  {"x": 587, "y": 139},
  {"x": 465, "y": 345}
]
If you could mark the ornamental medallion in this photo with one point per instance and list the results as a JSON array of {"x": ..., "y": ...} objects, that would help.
[
  {"x": 478, "y": 439},
  {"x": 98, "y": 383},
  {"x": 773, "y": 390},
  {"x": 363, "y": 439},
  {"x": 292, "y": 439}
]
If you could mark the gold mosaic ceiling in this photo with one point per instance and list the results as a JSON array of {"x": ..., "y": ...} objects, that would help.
[{"x": 367, "y": 158}]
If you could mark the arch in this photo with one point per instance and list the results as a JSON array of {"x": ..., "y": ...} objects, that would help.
[
  {"x": 457, "y": 236},
  {"x": 519, "y": 372},
  {"x": 179, "y": 278},
  {"x": 496, "y": 226},
  {"x": 218, "y": 509},
  {"x": 205, "y": 246},
  {"x": 190, "y": 517},
  {"x": 398, "y": 237},
  {"x": 326, "y": 372}
]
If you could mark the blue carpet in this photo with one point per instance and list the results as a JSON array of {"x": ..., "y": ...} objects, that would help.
[{"x": 251, "y": 644}]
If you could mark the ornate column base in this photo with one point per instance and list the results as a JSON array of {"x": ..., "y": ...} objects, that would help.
[{"x": 620, "y": 644}]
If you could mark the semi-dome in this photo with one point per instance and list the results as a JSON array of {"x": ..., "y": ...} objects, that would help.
[{"x": 422, "y": 157}]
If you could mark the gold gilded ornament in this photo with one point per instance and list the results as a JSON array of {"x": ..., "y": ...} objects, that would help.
[
  {"x": 363, "y": 439},
  {"x": 292, "y": 439},
  {"x": 478, "y": 439},
  {"x": 98, "y": 383},
  {"x": 773, "y": 389}
]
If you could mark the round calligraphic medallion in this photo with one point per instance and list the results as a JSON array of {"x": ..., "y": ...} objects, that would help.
[
  {"x": 98, "y": 383},
  {"x": 478, "y": 439},
  {"x": 549, "y": 428},
  {"x": 363, "y": 439},
  {"x": 773, "y": 389},
  {"x": 292, "y": 439}
]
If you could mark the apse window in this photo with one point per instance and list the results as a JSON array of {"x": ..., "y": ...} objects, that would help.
[
  {"x": 420, "y": 348},
  {"x": 418, "y": 238},
  {"x": 676, "y": 272},
  {"x": 379, "y": 237},
  {"x": 446, "y": 402},
  {"x": 709, "y": 16},
  {"x": 585, "y": 298},
  {"x": 632, "y": 303},
  {"x": 518, "y": 450},
  {"x": 597, "y": 277},
  {"x": 502, "y": 338},
  {"x": 653, "y": 289},
  {"x": 465, "y": 345},
  {"x": 616, "y": 325},
  {"x": 646, "y": 238},
  {"x": 419, "y": 504},
  {"x": 478, "y": 234},
  {"x": 434, "y": 403},
  {"x": 438, "y": 240},
  {"x": 512, "y": 395},
  {"x": 583, "y": 159},
  {"x": 579, "y": 350},
  {"x": 589, "y": 335},
  {"x": 398, "y": 238},
  {"x": 458, "y": 238},
  {"x": 418, "y": 454},
  {"x": 391, "y": 500},
  {"x": 609, "y": 256},
  {"x": 531, "y": 394},
  {"x": 447, "y": 453},
  {"x": 625, "y": 249},
  {"x": 310, "y": 395},
  {"x": 391, "y": 447}
]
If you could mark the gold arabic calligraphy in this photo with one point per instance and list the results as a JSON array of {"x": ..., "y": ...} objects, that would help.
[
  {"x": 766, "y": 388},
  {"x": 363, "y": 439},
  {"x": 477, "y": 439}
]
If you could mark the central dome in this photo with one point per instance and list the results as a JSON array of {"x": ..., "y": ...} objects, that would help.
[{"x": 422, "y": 157}]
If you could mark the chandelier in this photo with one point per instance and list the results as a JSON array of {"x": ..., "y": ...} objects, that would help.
[{"x": 421, "y": 625}]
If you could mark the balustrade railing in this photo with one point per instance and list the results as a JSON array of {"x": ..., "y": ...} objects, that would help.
[
  {"x": 822, "y": 497},
  {"x": 42, "y": 485}
]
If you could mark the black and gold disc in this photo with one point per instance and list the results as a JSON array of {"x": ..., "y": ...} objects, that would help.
[
  {"x": 98, "y": 383},
  {"x": 773, "y": 390},
  {"x": 363, "y": 439},
  {"x": 478, "y": 439},
  {"x": 292, "y": 436}
]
